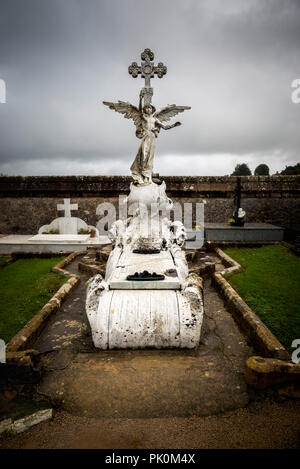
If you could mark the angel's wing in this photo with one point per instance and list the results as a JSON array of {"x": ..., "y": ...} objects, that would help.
[
  {"x": 128, "y": 110},
  {"x": 169, "y": 111}
]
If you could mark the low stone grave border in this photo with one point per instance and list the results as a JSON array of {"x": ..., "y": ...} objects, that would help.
[
  {"x": 18, "y": 349},
  {"x": 274, "y": 366},
  {"x": 19, "y": 356},
  {"x": 9, "y": 426}
]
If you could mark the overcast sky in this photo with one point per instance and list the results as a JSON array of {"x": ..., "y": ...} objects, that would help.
[{"x": 232, "y": 61}]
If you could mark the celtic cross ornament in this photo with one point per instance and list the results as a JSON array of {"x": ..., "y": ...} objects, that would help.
[
  {"x": 147, "y": 69},
  {"x": 147, "y": 120}
]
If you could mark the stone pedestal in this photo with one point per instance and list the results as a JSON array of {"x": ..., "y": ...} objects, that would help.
[{"x": 164, "y": 313}]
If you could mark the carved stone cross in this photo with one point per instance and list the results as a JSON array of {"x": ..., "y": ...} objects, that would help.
[
  {"x": 147, "y": 69},
  {"x": 67, "y": 207}
]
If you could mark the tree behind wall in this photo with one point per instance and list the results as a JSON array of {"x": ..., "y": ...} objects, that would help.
[
  {"x": 262, "y": 170},
  {"x": 291, "y": 169},
  {"x": 241, "y": 170}
]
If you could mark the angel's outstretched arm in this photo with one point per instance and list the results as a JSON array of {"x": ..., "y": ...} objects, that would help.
[{"x": 167, "y": 127}]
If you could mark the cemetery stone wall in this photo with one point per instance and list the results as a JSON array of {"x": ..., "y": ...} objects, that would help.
[{"x": 27, "y": 203}]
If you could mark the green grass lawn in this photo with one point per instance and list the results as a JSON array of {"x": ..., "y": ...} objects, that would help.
[
  {"x": 270, "y": 285},
  {"x": 25, "y": 286}
]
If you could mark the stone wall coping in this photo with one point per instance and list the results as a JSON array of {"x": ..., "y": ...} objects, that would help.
[
  {"x": 83, "y": 178},
  {"x": 49, "y": 186}
]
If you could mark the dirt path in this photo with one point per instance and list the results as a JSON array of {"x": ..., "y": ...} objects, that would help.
[{"x": 260, "y": 425}]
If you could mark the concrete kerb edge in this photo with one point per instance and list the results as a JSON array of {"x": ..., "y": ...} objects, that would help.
[
  {"x": 274, "y": 366},
  {"x": 29, "y": 333}
]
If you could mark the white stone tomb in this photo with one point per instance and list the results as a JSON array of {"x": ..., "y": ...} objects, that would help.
[{"x": 68, "y": 227}]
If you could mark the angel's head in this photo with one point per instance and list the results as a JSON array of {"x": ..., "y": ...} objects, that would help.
[{"x": 148, "y": 109}]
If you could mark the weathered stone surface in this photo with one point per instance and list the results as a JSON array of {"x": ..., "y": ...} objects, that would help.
[
  {"x": 22, "y": 357},
  {"x": 26, "y": 203},
  {"x": 263, "y": 372},
  {"x": 91, "y": 269},
  {"x": 142, "y": 384},
  {"x": 146, "y": 317},
  {"x": 205, "y": 269},
  {"x": 130, "y": 262},
  {"x": 102, "y": 256},
  {"x": 5, "y": 425},
  {"x": 250, "y": 232},
  {"x": 59, "y": 238},
  {"x": 20, "y": 425}
]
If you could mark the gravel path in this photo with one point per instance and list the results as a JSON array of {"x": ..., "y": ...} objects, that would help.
[{"x": 260, "y": 425}]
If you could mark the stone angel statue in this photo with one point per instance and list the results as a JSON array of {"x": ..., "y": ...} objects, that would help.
[{"x": 148, "y": 123}]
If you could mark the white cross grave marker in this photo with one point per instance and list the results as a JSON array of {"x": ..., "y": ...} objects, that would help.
[{"x": 67, "y": 207}]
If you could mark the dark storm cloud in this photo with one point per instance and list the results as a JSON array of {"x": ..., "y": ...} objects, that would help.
[{"x": 232, "y": 61}]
